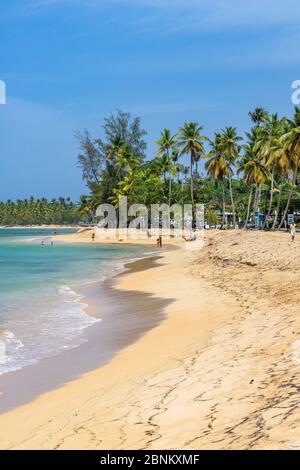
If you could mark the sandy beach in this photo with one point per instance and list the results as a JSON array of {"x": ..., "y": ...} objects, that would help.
[
  {"x": 220, "y": 371},
  {"x": 119, "y": 237}
]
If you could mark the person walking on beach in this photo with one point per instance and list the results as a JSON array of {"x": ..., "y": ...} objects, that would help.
[
  {"x": 93, "y": 237},
  {"x": 292, "y": 232},
  {"x": 159, "y": 241}
]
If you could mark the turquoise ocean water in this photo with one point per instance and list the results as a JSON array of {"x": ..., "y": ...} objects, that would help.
[{"x": 41, "y": 312}]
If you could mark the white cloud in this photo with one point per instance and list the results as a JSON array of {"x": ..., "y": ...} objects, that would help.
[
  {"x": 265, "y": 30},
  {"x": 201, "y": 13}
]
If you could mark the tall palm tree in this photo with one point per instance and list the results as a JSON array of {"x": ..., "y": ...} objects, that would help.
[
  {"x": 255, "y": 174},
  {"x": 229, "y": 146},
  {"x": 258, "y": 117},
  {"x": 270, "y": 149},
  {"x": 191, "y": 141},
  {"x": 291, "y": 141},
  {"x": 217, "y": 166},
  {"x": 167, "y": 144}
]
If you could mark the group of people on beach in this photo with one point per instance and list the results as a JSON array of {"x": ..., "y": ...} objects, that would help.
[
  {"x": 158, "y": 241},
  {"x": 292, "y": 232}
]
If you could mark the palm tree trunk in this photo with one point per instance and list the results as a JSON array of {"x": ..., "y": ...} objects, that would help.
[
  {"x": 291, "y": 192},
  {"x": 232, "y": 200},
  {"x": 270, "y": 202},
  {"x": 248, "y": 209},
  {"x": 258, "y": 198},
  {"x": 170, "y": 177},
  {"x": 255, "y": 201},
  {"x": 170, "y": 189},
  {"x": 277, "y": 211},
  {"x": 223, "y": 197},
  {"x": 192, "y": 180}
]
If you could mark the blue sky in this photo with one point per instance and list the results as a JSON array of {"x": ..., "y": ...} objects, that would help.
[{"x": 69, "y": 63}]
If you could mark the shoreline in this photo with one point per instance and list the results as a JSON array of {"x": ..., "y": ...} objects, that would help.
[
  {"x": 158, "y": 346},
  {"x": 220, "y": 372},
  {"x": 100, "y": 341}
]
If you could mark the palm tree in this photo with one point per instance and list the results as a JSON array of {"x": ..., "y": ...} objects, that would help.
[
  {"x": 162, "y": 165},
  {"x": 258, "y": 116},
  {"x": 191, "y": 141},
  {"x": 125, "y": 160},
  {"x": 229, "y": 146},
  {"x": 291, "y": 141},
  {"x": 167, "y": 144},
  {"x": 270, "y": 149},
  {"x": 120, "y": 155},
  {"x": 255, "y": 173},
  {"x": 252, "y": 138},
  {"x": 217, "y": 166}
]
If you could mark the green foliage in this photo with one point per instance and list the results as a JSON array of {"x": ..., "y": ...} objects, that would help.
[
  {"x": 39, "y": 211},
  {"x": 141, "y": 186},
  {"x": 262, "y": 172},
  {"x": 106, "y": 161},
  {"x": 211, "y": 217}
]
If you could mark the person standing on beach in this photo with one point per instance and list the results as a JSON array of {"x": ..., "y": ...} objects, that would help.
[
  {"x": 93, "y": 237},
  {"x": 292, "y": 232}
]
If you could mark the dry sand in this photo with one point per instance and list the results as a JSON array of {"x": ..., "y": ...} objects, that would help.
[{"x": 222, "y": 371}]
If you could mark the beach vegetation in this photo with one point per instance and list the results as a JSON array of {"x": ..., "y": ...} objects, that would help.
[
  {"x": 243, "y": 179},
  {"x": 249, "y": 179},
  {"x": 61, "y": 211}
]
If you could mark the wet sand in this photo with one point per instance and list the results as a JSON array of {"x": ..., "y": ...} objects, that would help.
[{"x": 125, "y": 316}]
